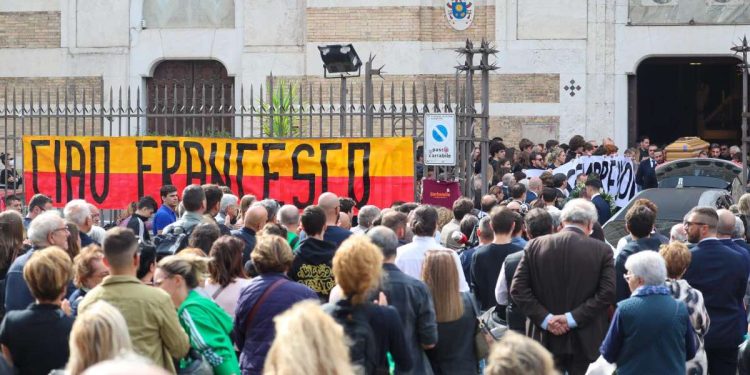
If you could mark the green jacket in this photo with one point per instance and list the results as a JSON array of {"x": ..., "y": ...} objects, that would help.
[
  {"x": 152, "y": 322},
  {"x": 208, "y": 327}
]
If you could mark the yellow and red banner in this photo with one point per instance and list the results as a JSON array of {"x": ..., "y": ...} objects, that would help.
[{"x": 111, "y": 172}]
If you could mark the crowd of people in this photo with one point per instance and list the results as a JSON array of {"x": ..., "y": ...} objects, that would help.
[{"x": 518, "y": 281}]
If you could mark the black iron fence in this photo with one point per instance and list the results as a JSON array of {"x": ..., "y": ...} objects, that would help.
[{"x": 282, "y": 108}]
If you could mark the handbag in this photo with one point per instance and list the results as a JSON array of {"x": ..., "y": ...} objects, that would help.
[
  {"x": 197, "y": 366},
  {"x": 483, "y": 338}
]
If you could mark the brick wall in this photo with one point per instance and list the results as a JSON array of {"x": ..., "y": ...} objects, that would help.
[
  {"x": 34, "y": 92},
  {"x": 504, "y": 88},
  {"x": 376, "y": 24},
  {"x": 513, "y": 128},
  {"x": 29, "y": 29}
]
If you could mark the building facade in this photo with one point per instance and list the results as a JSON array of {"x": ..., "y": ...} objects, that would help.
[{"x": 601, "y": 68}]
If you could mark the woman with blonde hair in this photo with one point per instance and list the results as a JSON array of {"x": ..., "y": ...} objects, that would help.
[
  {"x": 555, "y": 158},
  {"x": 207, "y": 325},
  {"x": 267, "y": 296},
  {"x": 515, "y": 354},
  {"x": 321, "y": 350},
  {"x": 445, "y": 215},
  {"x": 357, "y": 267},
  {"x": 99, "y": 334},
  {"x": 35, "y": 340},
  {"x": 455, "y": 316}
]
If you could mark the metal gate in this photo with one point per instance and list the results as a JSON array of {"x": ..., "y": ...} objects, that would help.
[{"x": 292, "y": 108}]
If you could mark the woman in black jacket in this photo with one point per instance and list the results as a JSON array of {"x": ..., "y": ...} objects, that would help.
[{"x": 357, "y": 267}]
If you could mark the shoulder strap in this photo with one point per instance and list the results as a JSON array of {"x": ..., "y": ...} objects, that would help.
[
  {"x": 217, "y": 292},
  {"x": 474, "y": 307},
  {"x": 260, "y": 301}
]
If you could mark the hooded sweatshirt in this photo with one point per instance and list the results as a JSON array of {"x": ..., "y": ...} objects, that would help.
[{"x": 312, "y": 266}]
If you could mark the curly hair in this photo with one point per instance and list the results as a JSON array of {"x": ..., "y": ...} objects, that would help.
[
  {"x": 357, "y": 267},
  {"x": 82, "y": 268},
  {"x": 445, "y": 216}
]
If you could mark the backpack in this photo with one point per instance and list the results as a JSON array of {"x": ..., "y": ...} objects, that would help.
[
  {"x": 170, "y": 243},
  {"x": 354, "y": 320}
]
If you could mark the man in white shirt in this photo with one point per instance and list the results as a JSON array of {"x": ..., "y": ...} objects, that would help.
[{"x": 410, "y": 257}]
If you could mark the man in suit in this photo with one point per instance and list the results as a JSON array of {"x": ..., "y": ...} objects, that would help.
[
  {"x": 593, "y": 187},
  {"x": 724, "y": 232},
  {"x": 645, "y": 177},
  {"x": 565, "y": 284},
  {"x": 721, "y": 274}
]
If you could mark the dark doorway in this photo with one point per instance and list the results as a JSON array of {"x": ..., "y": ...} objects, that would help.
[
  {"x": 181, "y": 88},
  {"x": 688, "y": 96}
]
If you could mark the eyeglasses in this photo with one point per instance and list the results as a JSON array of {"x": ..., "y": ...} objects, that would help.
[
  {"x": 61, "y": 229},
  {"x": 687, "y": 224}
]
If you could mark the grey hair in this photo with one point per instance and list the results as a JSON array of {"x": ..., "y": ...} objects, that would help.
[
  {"x": 739, "y": 228},
  {"x": 289, "y": 214},
  {"x": 42, "y": 226},
  {"x": 228, "y": 200},
  {"x": 744, "y": 204},
  {"x": 649, "y": 266},
  {"x": 579, "y": 211},
  {"x": 508, "y": 179},
  {"x": 271, "y": 206},
  {"x": 367, "y": 215},
  {"x": 77, "y": 211},
  {"x": 734, "y": 150},
  {"x": 675, "y": 234},
  {"x": 385, "y": 239},
  {"x": 556, "y": 216}
]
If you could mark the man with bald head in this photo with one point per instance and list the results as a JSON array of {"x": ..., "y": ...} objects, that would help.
[
  {"x": 329, "y": 202},
  {"x": 255, "y": 218},
  {"x": 721, "y": 274},
  {"x": 725, "y": 231}
]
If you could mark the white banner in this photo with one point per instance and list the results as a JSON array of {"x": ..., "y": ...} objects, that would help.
[
  {"x": 440, "y": 139},
  {"x": 616, "y": 173}
]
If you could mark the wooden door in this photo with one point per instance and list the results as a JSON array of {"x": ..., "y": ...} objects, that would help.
[{"x": 190, "y": 98}]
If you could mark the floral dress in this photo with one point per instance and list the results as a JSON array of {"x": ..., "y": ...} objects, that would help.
[{"x": 693, "y": 299}]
